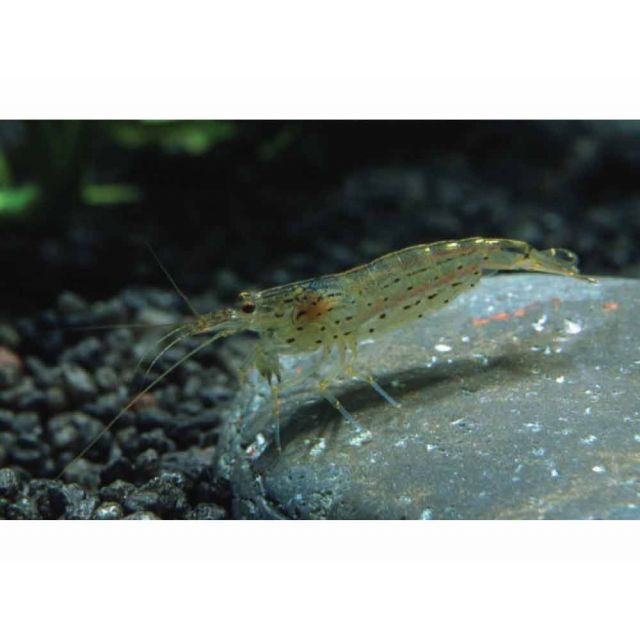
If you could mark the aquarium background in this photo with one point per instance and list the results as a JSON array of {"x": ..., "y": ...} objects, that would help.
[
  {"x": 228, "y": 205},
  {"x": 231, "y": 206}
]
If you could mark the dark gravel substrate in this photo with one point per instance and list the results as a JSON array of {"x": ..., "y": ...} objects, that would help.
[{"x": 59, "y": 387}]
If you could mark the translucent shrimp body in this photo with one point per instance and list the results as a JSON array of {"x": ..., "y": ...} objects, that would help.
[
  {"x": 335, "y": 312},
  {"x": 405, "y": 286}
]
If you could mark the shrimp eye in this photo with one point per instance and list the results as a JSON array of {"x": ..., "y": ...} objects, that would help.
[{"x": 247, "y": 305}]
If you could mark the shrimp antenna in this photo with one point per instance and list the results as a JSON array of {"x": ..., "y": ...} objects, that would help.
[
  {"x": 172, "y": 281},
  {"x": 139, "y": 395}
]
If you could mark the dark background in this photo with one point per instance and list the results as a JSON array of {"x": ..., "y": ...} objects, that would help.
[{"x": 234, "y": 204}]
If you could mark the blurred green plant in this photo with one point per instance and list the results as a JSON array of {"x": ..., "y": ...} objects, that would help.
[
  {"x": 14, "y": 201},
  {"x": 110, "y": 194},
  {"x": 194, "y": 137}
]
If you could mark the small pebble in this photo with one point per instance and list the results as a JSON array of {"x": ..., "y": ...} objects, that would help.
[
  {"x": 9, "y": 484},
  {"x": 108, "y": 511},
  {"x": 9, "y": 337},
  {"x": 142, "y": 515},
  {"x": 69, "y": 303},
  {"x": 78, "y": 382},
  {"x": 207, "y": 511}
]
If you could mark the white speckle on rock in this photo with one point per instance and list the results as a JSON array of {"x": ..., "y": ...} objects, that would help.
[
  {"x": 257, "y": 447},
  {"x": 589, "y": 440},
  {"x": 361, "y": 438},
  {"x": 426, "y": 514},
  {"x": 598, "y": 469},
  {"x": 587, "y": 411},
  {"x": 560, "y": 379},
  {"x": 572, "y": 327},
  {"x": 319, "y": 447},
  {"x": 636, "y": 437},
  {"x": 442, "y": 348},
  {"x": 538, "y": 325}
]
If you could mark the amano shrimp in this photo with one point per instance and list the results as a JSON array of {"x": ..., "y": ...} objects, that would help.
[{"x": 334, "y": 313}]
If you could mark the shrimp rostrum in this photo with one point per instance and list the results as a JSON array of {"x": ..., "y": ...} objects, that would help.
[{"x": 333, "y": 313}]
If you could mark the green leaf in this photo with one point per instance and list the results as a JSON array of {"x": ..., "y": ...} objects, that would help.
[
  {"x": 15, "y": 201},
  {"x": 109, "y": 194}
]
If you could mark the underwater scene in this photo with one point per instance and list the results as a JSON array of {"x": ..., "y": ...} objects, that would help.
[{"x": 319, "y": 320}]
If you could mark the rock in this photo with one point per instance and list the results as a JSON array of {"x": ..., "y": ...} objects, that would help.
[
  {"x": 117, "y": 491},
  {"x": 108, "y": 511},
  {"x": 23, "y": 509},
  {"x": 207, "y": 511},
  {"x": 87, "y": 353},
  {"x": 107, "y": 379},
  {"x": 10, "y": 368},
  {"x": 9, "y": 337},
  {"x": 70, "y": 303},
  {"x": 142, "y": 515},
  {"x": 78, "y": 382},
  {"x": 9, "y": 484},
  {"x": 519, "y": 401}
]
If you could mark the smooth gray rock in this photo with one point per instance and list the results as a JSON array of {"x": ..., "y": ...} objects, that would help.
[{"x": 520, "y": 400}]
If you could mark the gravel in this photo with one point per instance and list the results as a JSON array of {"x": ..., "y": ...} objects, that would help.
[{"x": 60, "y": 388}]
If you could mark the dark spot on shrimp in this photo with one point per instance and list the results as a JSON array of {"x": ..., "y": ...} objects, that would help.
[
  {"x": 432, "y": 295},
  {"x": 318, "y": 341},
  {"x": 347, "y": 333},
  {"x": 349, "y": 318},
  {"x": 290, "y": 340},
  {"x": 279, "y": 314},
  {"x": 407, "y": 306},
  {"x": 396, "y": 280},
  {"x": 410, "y": 287},
  {"x": 371, "y": 330},
  {"x": 456, "y": 284},
  {"x": 382, "y": 316}
]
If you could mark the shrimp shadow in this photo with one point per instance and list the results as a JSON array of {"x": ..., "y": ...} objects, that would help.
[{"x": 314, "y": 415}]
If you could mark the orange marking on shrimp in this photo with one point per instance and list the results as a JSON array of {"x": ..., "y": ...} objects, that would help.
[
  {"x": 312, "y": 309},
  {"x": 610, "y": 306},
  {"x": 434, "y": 285}
]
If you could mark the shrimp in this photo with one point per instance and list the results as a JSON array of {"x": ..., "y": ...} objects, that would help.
[{"x": 335, "y": 312}]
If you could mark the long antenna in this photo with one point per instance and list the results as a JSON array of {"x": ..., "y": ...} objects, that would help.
[
  {"x": 139, "y": 395},
  {"x": 173, "y": 282}
]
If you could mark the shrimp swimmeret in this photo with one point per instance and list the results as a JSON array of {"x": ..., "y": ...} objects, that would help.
[{"x": 338, "y": 311}]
